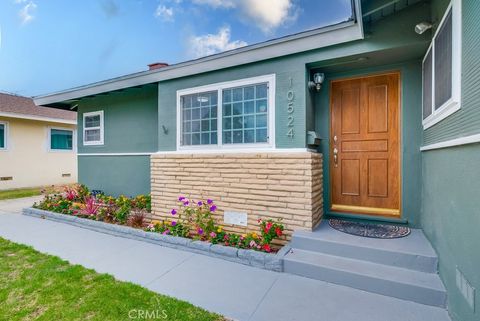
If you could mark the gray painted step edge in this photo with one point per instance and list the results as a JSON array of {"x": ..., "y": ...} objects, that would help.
[
  {"x": 381, "y": 256},
  {"x": 420, "y": 287}
]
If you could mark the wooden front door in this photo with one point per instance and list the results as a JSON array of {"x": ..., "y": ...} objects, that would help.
[{"x": 364, "y": 145}]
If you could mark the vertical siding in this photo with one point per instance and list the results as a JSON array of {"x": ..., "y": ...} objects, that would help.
[{"x": 466, "y": 121}]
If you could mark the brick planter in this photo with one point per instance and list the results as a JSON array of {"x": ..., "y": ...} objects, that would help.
[
  {"x": 264, "y": 185},
  {"x": 273, "y": 262}
]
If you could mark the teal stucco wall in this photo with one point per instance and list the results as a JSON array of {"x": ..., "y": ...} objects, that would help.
[
  {"x": 130, "y": 119},
  {"x": 451, "y": 219},
  {"x": 284, "y": 69},
  {"x": 411, "y": 133},
  {"x": 465, "y": 121},
  {"x": 451, "y": 176},
  {"x": 130, "y": 126},
  {"x": 116, "y": 175}
]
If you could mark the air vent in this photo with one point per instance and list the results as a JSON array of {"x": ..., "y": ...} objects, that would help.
[
  {"x": 6, "y": 178},
  {"x": 66, "y": 175},
  {"x": 467, "y": 290}
]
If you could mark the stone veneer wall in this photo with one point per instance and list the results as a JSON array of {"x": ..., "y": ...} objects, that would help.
[{"x": 285, "y": 185}]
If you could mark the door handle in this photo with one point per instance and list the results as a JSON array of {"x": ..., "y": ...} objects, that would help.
[{"x": 335, "y": 157}]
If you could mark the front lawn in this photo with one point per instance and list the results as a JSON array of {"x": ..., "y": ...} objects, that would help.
[
  {"x": 35, "y": 286},
  {"x": 19, "y": 193}
]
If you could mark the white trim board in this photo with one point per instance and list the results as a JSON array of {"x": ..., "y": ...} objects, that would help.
[
  {"x": 115, "y": 154},
  {"x": 237, "y": 151},
  {"x": 305, "y": 41},
  {"x": 228, "y": 151},
  {"x": 39, "y": 118},
  {"x": 472, "y": 139}
]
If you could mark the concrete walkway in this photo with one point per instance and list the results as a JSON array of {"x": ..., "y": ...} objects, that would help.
[{"x": 236, "y": 291}]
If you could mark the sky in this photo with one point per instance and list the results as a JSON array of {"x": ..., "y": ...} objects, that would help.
[{"x": 52, "y": 45}]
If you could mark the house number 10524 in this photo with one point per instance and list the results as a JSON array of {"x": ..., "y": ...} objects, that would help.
[{"x": 290, "y": 109}]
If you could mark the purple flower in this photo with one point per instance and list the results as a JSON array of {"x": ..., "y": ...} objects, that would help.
[
  {"x": 209, "y": 201},
  {"x": 200, "y": 231},
  {"x": 186, "y": 203},
  {"x": 200, "y": 203},
  {"x": 173, "y": 212},
  {"x": 174, "y": 223},
  {"x": 181, "y": 198},
  {"x": 213, "y": 208}
]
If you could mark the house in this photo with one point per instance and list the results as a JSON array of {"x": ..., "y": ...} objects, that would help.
[
  {"x": 37, "y": 144},
  {"x": 376, "y": 118}
]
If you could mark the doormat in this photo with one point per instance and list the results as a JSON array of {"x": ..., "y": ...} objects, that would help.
[{"x": 378, "y": 231}]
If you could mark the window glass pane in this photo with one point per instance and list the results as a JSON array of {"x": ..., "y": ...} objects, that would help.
[
  {"x": 61, "y": 139},
  {"x": 92, "y": 135},
  {"x": 245, "y": 120},
  {"x": 2, "y": 136},
  {"x": 427, "y": 85},
  {"x": 199, "y": 117},
  {"x": 443, "y": 62},
  {"x": 92, "y": 121}
]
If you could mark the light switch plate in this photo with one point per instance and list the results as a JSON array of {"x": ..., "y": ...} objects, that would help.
[{"x": 235, "y": 218}]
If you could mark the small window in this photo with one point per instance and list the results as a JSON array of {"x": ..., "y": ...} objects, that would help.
[
  {"x": 3, "y": 136},
  {"x": 231, "y": 114},
  {"x": 93, "y": 128},
  {"x": 441, "y": 69},
  {"x": 61, "y": 139}
]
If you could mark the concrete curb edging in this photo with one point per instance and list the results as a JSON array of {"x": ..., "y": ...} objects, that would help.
[{"x": 272, "y": 262}]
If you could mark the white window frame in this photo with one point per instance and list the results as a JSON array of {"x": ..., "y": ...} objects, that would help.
[
  {"x": 219, "y": 87},
  {"x": 5, "y": 123},
  {"x": 101, "y": 127},
  {"x": 49, "y": 140},
  {"x": 454, "y": 103}
]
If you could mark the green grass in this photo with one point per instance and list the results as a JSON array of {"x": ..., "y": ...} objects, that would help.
[
  {"x": 21, "y": 192},
  {"x": 35, "y": 286}
]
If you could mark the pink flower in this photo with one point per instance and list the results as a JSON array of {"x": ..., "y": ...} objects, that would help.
[
  {"x": 213, "y": 234},
  {"x": 252, "y": 243}
]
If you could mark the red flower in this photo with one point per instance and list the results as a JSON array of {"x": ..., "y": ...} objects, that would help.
[
  {"x": 267, "y": 248},
  {"x": 226, "y": 243},
  {"x": 278, "y": 231},
  {"x": 269, "y": 226}
]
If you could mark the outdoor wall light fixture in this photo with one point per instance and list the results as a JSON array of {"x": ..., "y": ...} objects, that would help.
[
  {"x": 422, "y": 27},
  {"x": 317, "y": 82}
]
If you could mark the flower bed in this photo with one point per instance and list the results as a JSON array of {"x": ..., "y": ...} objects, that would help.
[{"x": 190, "y": 220}]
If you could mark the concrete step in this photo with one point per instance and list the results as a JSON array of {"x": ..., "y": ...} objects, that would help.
[
  {"x": 416, "y": 286},
  {"x": 412, "y": 252}
]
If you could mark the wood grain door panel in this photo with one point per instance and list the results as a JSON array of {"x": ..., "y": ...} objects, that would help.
[{"x": 365, "y": 176}]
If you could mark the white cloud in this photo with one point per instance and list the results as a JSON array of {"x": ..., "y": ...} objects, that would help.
[
  {"x": 164, "y": 13},
  {"x": 266, "y": 14},
  {"x": 210, "y": 44},
  {"x": 269, "y": 14},
  {"x": 26, "y": 13}
]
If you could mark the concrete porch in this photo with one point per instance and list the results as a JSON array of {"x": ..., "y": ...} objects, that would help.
[{"x": 404, "y": 268}]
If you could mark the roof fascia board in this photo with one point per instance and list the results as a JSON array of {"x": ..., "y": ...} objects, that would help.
[
  {"x": 39, "y": 118},
  {"x": 310, "y": 40}
]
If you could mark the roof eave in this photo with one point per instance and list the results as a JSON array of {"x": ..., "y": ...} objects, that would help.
[{"x": 305, "y": 41}]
